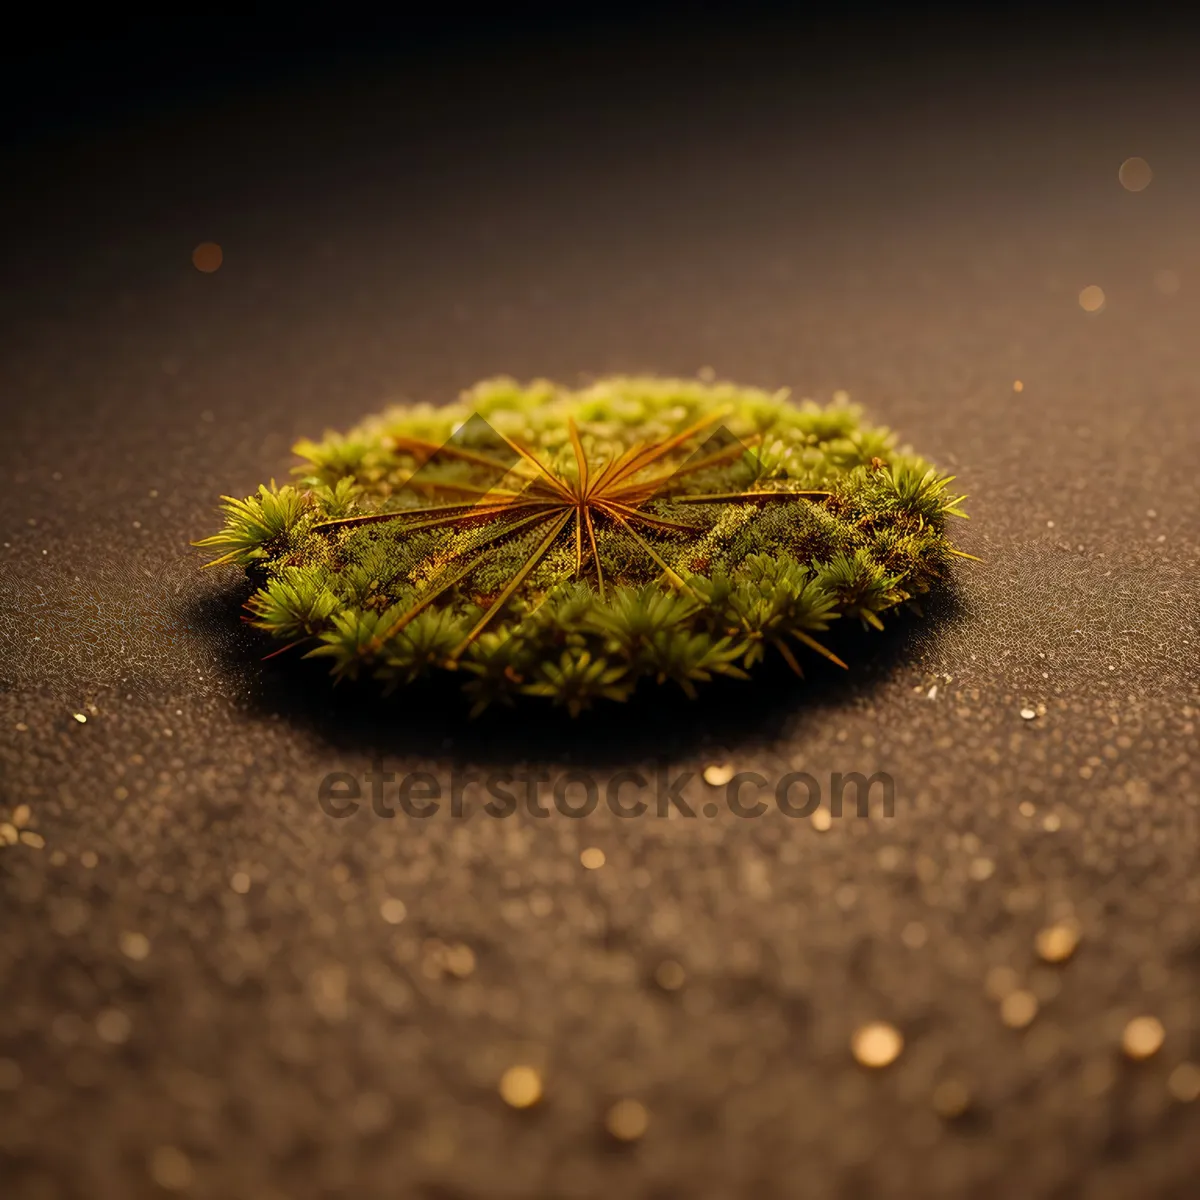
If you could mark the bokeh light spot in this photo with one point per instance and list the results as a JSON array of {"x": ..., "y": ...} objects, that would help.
[
  {"x": 520, "y": 1087},
  {"x": 1091, "y": 299},
  {"x": 627, "y": 1120},
  {"x": 877, "y": 1044},
  {"x": 1143, "y": 1037},
  {"x": 1135, "y": 174},
  {"x": 207, "y": 257}
]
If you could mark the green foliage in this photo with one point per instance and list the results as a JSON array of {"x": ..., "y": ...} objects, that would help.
[
  {"x": 512, "y": 549},
  {"x": 256, "y": 528},
  {"x": 338, "y": 499},
  {"x": 421, "y": 646},
  {"x": 293, "y": 604},
  {"x": 576, "y": 680},
  {"x": 335, "y": 459},
  {"x": 776, "y": 598},
  {"x": 860, "y": 586},
  {"x": 348, "y": 639}
]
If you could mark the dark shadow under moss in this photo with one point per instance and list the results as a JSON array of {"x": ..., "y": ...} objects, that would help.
[{"x": 431, "y": 719}]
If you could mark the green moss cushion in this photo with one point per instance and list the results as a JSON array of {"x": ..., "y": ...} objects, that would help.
[{"x": 574, "y": 545}]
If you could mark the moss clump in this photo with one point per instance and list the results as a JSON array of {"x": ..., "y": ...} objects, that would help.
[{"x": 574, "y": 544}]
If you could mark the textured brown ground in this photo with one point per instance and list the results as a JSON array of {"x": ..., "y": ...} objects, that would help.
[{"x": 270, "y": 1035}]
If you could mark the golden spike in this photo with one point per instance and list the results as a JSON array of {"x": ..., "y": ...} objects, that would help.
[
  {"x": 689, "y": 468},
  {"x": 417, "y": 446},
  {"x": 284, "y": 649},
  {"x": 449, "y": 514},
  {"x": 430, "y": 596},
  {"x": 511, "y": 587},
  {"x": 591, "y": 531},
  {"x": 614, "y": 464},
  {"x": 788, "y": 656},
  {"x": 657, "y": 450},
  {"x": 224, "y": 560},
  {"x": 670, "y": 571},
  {"x": 466, "y": 489},
  {"x": 497, "y": 535},
  {"x": 580, "y": 459},
  {"x": 635, "y": 514},
  {"x": 548, "y": 475},
  {"x": 747, "y": 497},
  {"x": 813, "y": 644}
]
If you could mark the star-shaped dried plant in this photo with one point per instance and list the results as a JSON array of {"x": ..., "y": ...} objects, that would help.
[{"x": 615, "y": 491}]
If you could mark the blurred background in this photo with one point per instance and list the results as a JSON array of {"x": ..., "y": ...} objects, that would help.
[{"x": 224, "y": 232}]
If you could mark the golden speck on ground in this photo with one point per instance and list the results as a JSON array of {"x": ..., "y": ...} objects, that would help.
[
  {"x": 21, "y": 815},
  {"x": 458, "y": 959},
  {"x": 393, "y": 911},
  {"x": 135, "y": 945},
  {"x": 877, "y": 1044},
  {"x": 1091, "y": 298},
  {"x": 669, "y": 975},
  {"x": 207, "y": 257},
  {"x": 240, "y": 882},
  {"x": 1184, "y": 1083},
  {"x": 1056, "y": 943},
  {"x": 114, "y": 1027},
  {"x": 592, "y": 858},
  {"x": 822, "y": 820},
  {"x": 171, "y": 1169},
  {"x": 718, "y": 774},
  {"x": 80, "y": 717},
  {"x": 951, "y": 1098},
  {"x": 981, "y": 869},
  {"x": 34, "y": 840},
  {"x": 1018, "y": 1009},
  {"x": 89, "y": 859},
  {"x": 1018, "y": 386},
  {"x": 1135, "y": 174},
  {"x": 520, "y": 1087},
  {"x": 1143, "y": 1037},
  {"x": 627, "y": 1120}
]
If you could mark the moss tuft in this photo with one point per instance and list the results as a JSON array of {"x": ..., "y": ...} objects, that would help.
[{"x": 573, "y": 545}]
